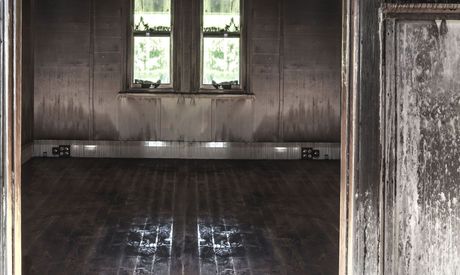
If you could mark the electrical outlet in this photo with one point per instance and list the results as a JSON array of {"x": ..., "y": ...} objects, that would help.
[
  {"x": 307, "y": 153},
  {"x": 316, "y": 154},
  {"x": 310, "y": 153},
  {"x": 64, "y": 151}
]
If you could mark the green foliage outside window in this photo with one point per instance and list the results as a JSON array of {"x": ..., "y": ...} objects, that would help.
[
  {"x": 152, "y": 40},
  {"x": 221, "y": 53},
  {"x": 152, "y": 59},
  {"x": 152, "y": 48},
  {"x": 221, "y": 60}
]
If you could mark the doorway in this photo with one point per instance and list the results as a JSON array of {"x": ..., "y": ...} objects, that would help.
[{"x": 285, "y": 216}]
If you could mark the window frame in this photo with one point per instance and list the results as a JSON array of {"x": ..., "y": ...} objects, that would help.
[
  {"x": 242, "y": 62},
  {"x": 189, "y": 65},
  {"x": 130, "y": 49}
]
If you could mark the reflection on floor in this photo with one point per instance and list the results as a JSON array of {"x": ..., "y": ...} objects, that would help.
[{"x": 101, "y": 216}]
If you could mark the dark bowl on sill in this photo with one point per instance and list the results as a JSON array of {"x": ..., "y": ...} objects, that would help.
[
  {"x": 145, "y": 86},
  {"x": 227, "y": 87}
]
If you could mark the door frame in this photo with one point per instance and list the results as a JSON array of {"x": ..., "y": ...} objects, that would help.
[
  {"x": 358, "y": 253},
  {"x": 11, "y": 109},
  {"x": 354, "y": 12}
]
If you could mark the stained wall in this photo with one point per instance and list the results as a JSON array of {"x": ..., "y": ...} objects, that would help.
[
  {"x": 403, "y": 204},
  {"x": 293, "y": 71},
  {"x": 427, "y": 203},
  {"x": 27, "y": 73}
]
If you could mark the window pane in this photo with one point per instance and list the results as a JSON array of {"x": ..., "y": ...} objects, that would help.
[
  {"x": 155, "y": 13},
  {"x": 220, "y": 13},
  {"x": 152, "y": 58},
  {"x": 221, "y": 59}
]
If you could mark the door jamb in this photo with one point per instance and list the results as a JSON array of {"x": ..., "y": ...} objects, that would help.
[
  {"x": 11, "y": 128},
  {"x": 349, "y": 122}
]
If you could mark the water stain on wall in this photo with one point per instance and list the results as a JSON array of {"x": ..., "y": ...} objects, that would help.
[
  {"x": 87, "y": 70},
  {"x": 60, "y": 117},
  {"x": 139, "y": 118}
]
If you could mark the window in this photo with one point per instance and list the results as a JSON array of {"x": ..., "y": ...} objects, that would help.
[
  {"x": 221, "y": 43},
  {"x": 186, "y": 45},
  {"x": 152, "y": 43}
]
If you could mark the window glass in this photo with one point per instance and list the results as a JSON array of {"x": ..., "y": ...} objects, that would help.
[
  {"x": 220, "y": 13},
  {"x": 152, "y": 58},
  {"x": 152, "y": 41},
  {"x": 221, "y": 59},
  {"x": 221, "y": 41}
]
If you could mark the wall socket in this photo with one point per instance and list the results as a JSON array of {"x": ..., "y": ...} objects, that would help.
[
  {"x": 310, "y": 154},
  {"x": 62, "y": 151}
]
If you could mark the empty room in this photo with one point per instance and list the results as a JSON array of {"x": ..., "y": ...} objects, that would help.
[
  {"x": 230, "y": 137},
  {"x": 168, "y": 136}
]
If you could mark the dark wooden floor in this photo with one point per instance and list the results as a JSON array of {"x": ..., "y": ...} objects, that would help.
[{"x": 100, "y": 216}]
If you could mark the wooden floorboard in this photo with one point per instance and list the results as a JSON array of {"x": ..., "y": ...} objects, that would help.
[{"x": 120, "y": 216}]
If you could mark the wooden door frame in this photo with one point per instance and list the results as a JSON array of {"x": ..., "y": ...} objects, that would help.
[
  {"x": 379, "y": 196},
  {"x": 351, "y": 129},
  {"x": 11, "y": 136}
]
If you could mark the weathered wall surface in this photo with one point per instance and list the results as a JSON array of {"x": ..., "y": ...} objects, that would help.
[
  {"x": 311, "y": 49},
  {"x": 28, "y": 73},
  {"x": 361, "y": 140},
  {"x": 428, "y": 141},
  {"x": 293, "y": 71},
  {"x": 420, "y": 220},
  {"x": 63, "y": 67},
  {"x": 421, "y": 1}
]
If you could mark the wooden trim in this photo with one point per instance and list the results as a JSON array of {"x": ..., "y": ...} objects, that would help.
[
  {"x": 388, "y": 142},
  {"x": 195, "y": 66},
  {"x": 92, "y": 40},
  {"x": 429, "y": 8},
  {"x": 281, "y": 62},
  {"x": 243, "y": 42},
  {"x": 127, "y": 14},
  {"x": 8, "y": 137},
  {"x": 349, "y": 138},
  {"x": 17, "y": 141},
  {"x": 176, "y": 44},
  {"x": 248, "y": 44},
  {"x": 344, "y": 196},
  {"x": 11, "y": 136},
  {"x": 421, "y": 11}
]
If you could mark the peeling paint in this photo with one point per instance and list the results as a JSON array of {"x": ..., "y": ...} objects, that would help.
[{"x": 428, "y": 154}]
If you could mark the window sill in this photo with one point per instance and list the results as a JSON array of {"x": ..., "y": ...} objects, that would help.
[
  {"x": 223, "y": 91},
  {"x": 172, "y": 93},
  {"x": 148, "y": 91}
]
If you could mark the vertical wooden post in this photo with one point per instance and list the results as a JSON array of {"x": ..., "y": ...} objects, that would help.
[
  {"x": 360, "y": 220},
  {"x": 17, "y": 125},
  {"x": 11, "y": 137},
  {"x": 345, "y": 110}
]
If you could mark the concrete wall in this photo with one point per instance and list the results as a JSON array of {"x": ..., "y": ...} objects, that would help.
[{"x": 293, "y": 71}]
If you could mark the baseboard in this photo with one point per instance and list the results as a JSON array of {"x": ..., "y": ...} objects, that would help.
[
  {"x": 185, "y": 150},
  {"x": 27, "y": 152}
]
